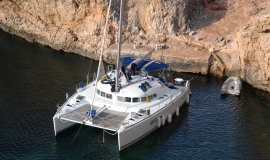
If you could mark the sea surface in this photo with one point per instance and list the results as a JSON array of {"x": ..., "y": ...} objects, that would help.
[{"x": 34, "y": 78}]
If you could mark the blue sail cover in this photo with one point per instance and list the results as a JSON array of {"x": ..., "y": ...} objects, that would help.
[
  {"x": 146, "y": 65},
  {"x": 126, "y": 61}
]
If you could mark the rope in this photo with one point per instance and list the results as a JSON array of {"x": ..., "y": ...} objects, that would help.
[
  {"x": 76, "y": 135},
  {"x": 110, "y": 133}
]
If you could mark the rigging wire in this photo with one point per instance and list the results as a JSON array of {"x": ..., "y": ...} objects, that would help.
[
  {"x": 101, "y": 54},
  {"x": 76, "y": 135},
  {"x": 87, "y": 77},
  {"x": 108, "y": 12},
  {"x": 110, "y": 133}
]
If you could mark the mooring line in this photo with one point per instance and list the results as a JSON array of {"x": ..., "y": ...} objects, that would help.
[{"x": 76, "y": 135}]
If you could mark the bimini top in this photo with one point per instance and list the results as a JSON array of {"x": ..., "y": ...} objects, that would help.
[{"x": 146, "y": 65}]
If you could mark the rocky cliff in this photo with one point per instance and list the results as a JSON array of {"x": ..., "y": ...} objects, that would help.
[
  {"x": 232, "y": 40},
  {"x": 254, "y": 52},
  {"x": 77, "y": 25}
]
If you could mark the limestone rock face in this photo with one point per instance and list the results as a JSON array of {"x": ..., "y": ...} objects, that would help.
[
  {"x": 254, "y": 52},
  {"x": 77, "y": 25},
  {"x": 231, "y": 41},
  {"x": 158, "y": 16}
]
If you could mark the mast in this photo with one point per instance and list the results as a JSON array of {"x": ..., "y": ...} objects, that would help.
[{"x": 119, "y": 49}]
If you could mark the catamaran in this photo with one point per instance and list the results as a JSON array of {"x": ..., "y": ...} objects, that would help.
[{"x": 128, "y": 100}]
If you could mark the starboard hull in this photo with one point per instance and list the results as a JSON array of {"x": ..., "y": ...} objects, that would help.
[
  {"x": 143, "y": 128},
  {"x": 60, "y": 126}
]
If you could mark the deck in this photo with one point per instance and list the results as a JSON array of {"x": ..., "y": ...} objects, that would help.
[{"x": 107, "y": 119}]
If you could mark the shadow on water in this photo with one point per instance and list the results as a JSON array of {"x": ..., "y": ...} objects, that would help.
[
  {"x": 86, "y": 143},
  {"x": 228, "y": 96},
  {"x": 157, "y": 138},
  {"x": 254, "y": 113}
]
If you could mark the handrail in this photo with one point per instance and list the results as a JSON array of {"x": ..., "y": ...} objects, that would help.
[{"x": 63, "y": 103}]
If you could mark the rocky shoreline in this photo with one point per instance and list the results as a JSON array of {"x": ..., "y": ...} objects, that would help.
[{"x": 232, "y": 41}]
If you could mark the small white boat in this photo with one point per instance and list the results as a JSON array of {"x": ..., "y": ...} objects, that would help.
[
  {"x": 123, "y": 102},
  {"x": 232, "y": 86}
]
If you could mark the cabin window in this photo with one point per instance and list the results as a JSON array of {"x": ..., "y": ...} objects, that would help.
[
  {"x": 151, "y": 97},
  {"x": 98, "y": 91},
  {"x": 109, "y": 96},
  {"x": 127, "y": 99},
  {"x": 102, "y": 94},
  {"x": 122, "y": 99},
  {"x": 143, "y": 99},
  {"x": 135, "y": 99}
]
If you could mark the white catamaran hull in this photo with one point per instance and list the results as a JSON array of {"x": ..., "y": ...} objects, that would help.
[
  {"x": 61, "y": 125},
  {"x": 141, "y": 129}
]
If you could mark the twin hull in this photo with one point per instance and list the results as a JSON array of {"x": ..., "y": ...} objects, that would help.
[
  {"x": 141, "y": 129},
  {"x": 137, "y": 131}
]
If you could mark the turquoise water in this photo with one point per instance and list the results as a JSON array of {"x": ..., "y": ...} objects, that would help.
[{"x": 35, "y": 78}]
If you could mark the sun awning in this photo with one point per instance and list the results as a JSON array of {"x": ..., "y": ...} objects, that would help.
[{"x": 146, "y": 65}]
